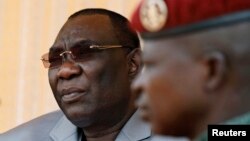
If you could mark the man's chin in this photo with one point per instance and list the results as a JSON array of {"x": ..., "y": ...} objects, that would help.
[
  {"x": 82, "y": 123},
  {"x": 145, "y": 116},
  {"x": 79, "y": 118},
  {"x": 168, "y": 130},
  {"x": 160, "y": 129}
]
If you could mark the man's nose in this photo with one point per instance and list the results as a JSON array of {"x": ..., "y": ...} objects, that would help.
[{"x": 69, "y": 70}]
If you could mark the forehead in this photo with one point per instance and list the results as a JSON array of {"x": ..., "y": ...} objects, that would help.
[
  {"x": 159, "y": 49},
  {"x": 180, "y": 46},
  {"x": 97, "y": 28}
]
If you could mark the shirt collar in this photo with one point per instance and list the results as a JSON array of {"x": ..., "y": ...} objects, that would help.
[
  {"x": 134, "y": 130},
  {"x": 64, "y": 131}
]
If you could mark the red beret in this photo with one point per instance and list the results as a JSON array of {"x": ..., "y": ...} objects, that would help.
[{"x": 154, "y": 18}]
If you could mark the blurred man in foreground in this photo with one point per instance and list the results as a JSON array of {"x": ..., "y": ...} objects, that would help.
[
  {"x": 196, "y": 58},
  {"x": 91, "y": 65}
]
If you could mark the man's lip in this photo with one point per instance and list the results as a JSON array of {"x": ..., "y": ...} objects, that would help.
[
  {"x": 72, "y": 94},
  {"x": 72, "y": 90}
]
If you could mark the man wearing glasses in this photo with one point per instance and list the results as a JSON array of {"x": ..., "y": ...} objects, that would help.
[{"x": 90, "y": 67}]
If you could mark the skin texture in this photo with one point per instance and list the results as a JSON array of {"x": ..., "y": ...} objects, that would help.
[
  {"x": 143, "y": 107},
  {"x": 196, "y": 79},
  {"x": 102, "y": 78}
]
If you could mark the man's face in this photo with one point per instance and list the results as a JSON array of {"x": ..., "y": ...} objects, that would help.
[
  {"x": 96, "y": 88},
  {"x": 143, "y": 107},
  {"x": 172, "y": 79}
]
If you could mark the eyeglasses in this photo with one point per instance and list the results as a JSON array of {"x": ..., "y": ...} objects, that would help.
[{"x": 55, "y": 58}]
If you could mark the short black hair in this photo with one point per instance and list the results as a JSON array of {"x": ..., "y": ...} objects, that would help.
[{"x": 126, "y": 35}]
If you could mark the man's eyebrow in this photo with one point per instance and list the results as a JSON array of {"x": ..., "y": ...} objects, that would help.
[
  {"x": 84, "y": 42},
  {"x": 55, "y": 49},
  {"x": 76, "y": 44}
]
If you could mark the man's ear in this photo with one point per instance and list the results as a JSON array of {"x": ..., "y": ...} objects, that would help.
[
  {"x": 216, "y": 65},
  {"x": 134, "y": 62}
]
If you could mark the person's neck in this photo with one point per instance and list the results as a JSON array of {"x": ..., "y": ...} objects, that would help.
[
  {"x": 230, "y": 106},
  {"x": 226, "y": 108},
  {"x": 105, "y": 137},
  {"x": 107, "y": 133}
]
